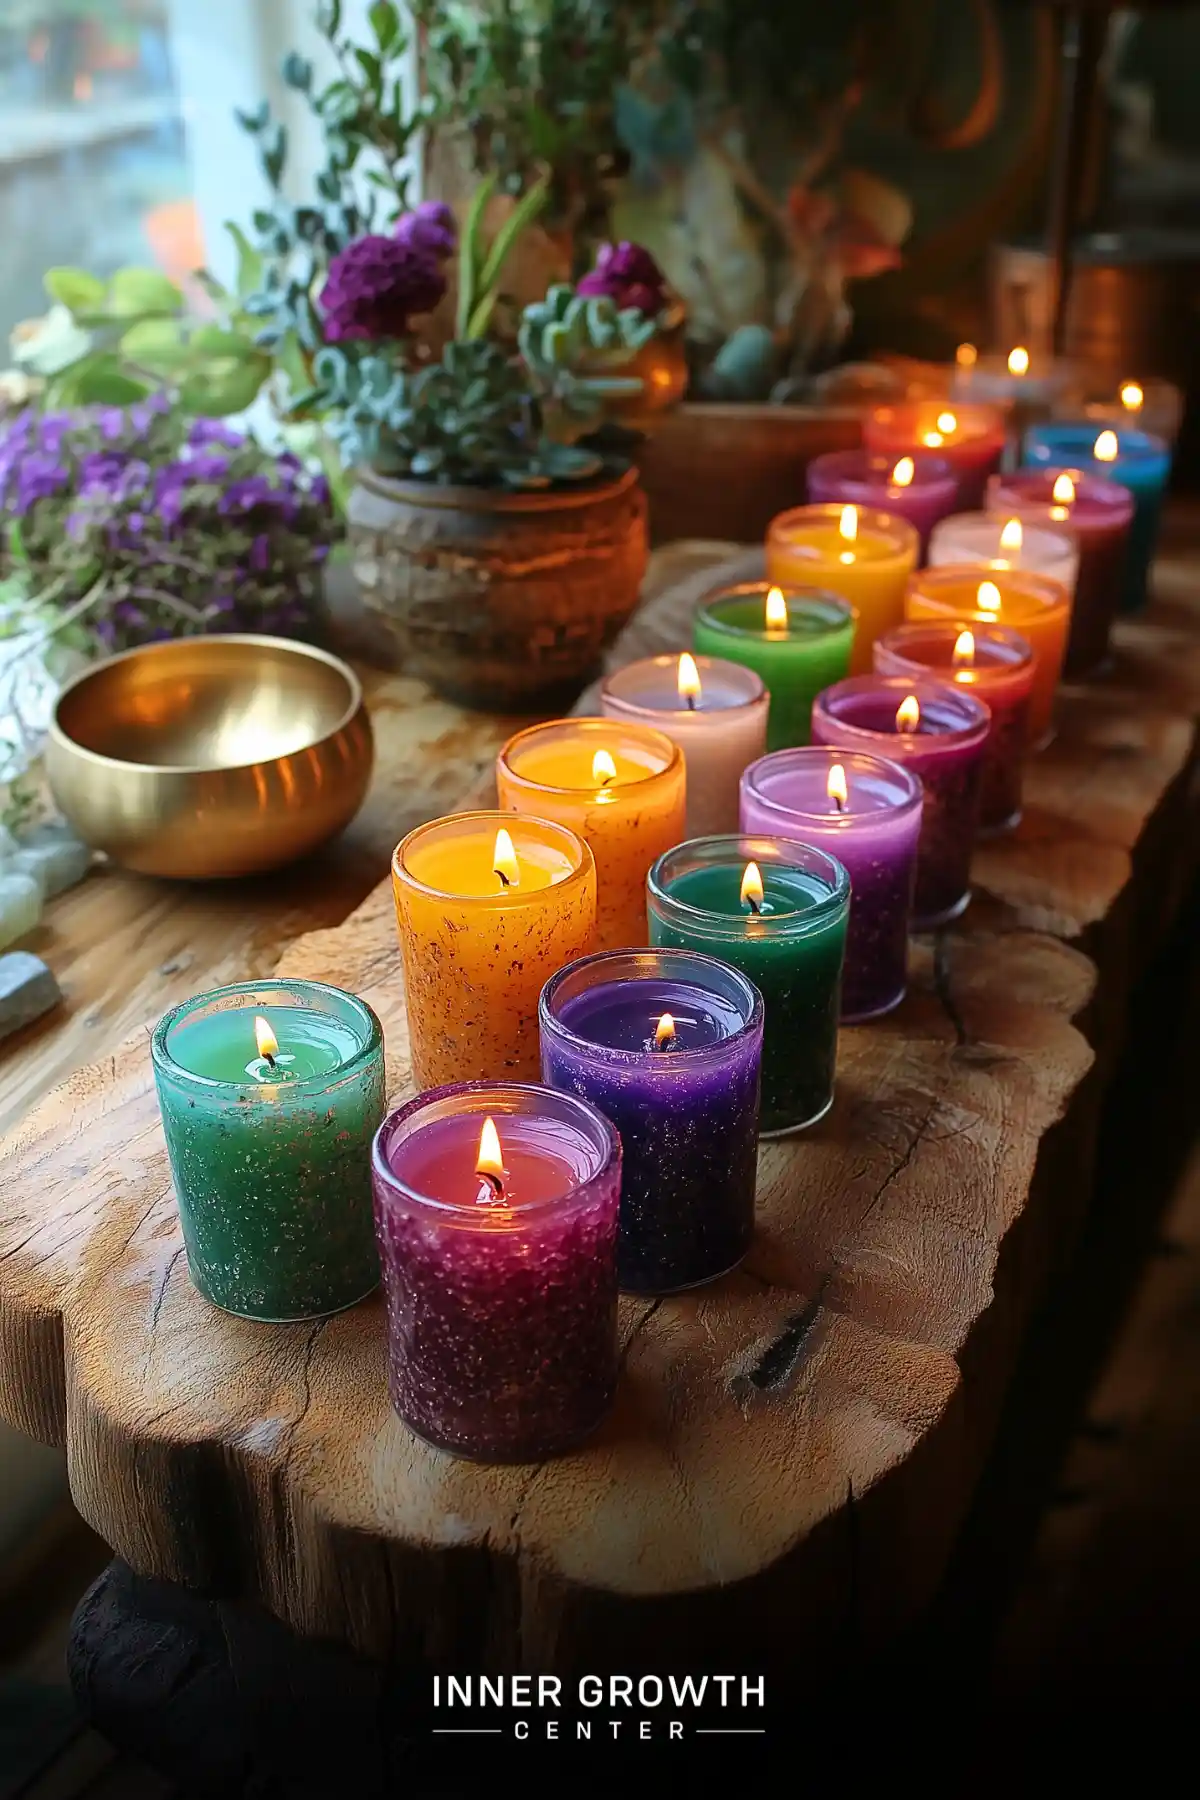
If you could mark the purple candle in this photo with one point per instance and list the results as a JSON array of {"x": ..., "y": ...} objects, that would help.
[
  {"x": 939, "y": 732},
  {"x": 496, "y": 1215},
  {"x": 865, "y": 812},
  {"x": 668, "y": 1045},
  {"x": 921, "y": 489}
]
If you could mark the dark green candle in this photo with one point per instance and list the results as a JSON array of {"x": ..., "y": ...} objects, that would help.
[
  {"x": 786, "y": 932},
  {"x": 270, "y": 1098}
]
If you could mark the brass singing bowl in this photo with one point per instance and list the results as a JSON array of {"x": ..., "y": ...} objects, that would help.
[{"x": 211, "y": 756}]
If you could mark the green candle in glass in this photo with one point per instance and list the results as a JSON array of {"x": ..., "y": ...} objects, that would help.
[
  {"x": 797, "y": 639},
  {"x": 775, "y": 910},
  {"x": 270, "y": 1097}
]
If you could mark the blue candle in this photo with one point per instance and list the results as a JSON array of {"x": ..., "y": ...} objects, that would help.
[{"x": 1136, "y": 459}]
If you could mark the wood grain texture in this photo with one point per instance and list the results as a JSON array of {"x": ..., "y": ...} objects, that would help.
[{"x": 794, "y": 1445}]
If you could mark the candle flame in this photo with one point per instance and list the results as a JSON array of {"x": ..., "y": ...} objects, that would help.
[
  {"x": 848, "y": 524},
  {"x": 947, "y": 422},
  {"x": 504, "y": 860},
  {"x": 988, "y": 597},
  {"x": 908, "y": 714},
  {"x": 752, "y": 887},
  {"x": 1132, "y": 396},
  {"x": 902, "y": 474},
  {"x": 1013, "y": 535},
  {"x": 1018, "y": 361},
  {"x": 933, "y": 440},
  {"x": 964, "y": 648},
  {"x": 1106, "y": 447},
  {"x": 966, "y": 356},
  {"x": 665, "y": 1032},
  {"x": 490, "y": 1162},
  {"x": 1064, "y": 491},
  {"x": 777, "y": 612},
  {"x": 604, "y": 769},
  {"x": 688, "y": 680},
  {"x": 264, "y": 1037},
  {"x": 836, "y": 787}
]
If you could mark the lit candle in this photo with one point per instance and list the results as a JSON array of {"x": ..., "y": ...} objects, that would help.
[
  {"x": 1135, "y": 459},
  {"x": 921, "y": 487},
  {"x": 496, "y": 1213},
  {"x": 1005, "y": 541},
  {"x": 1038, "y": 608},
  {"x": 970, "y": 438},
  {"x": 1097, "y": 514},
  {"x": 488, "y": 905},
  {"x": 996, "y": 664},
  {"x": 859, "y": 553},
  {"x": 777, "y": 911},
  {"x": 713, "y": 708},
  {"x": 1026, "y": 384},
  {"x": 1150, "y": 405},
  {"x": 668, "y": 1045},
  {"x": 938, "y": 732},
  {"x": 621, "y": 787},
  {"x": 270, "y": 1096},
  {"x": 865, "y": 812},
  {"x": 797, "y": 639}
]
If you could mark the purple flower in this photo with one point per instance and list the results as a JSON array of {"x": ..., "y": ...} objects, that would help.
[
  {"x": 374, "y": 288},
  {"x": 629, "y": 275},
  {"x": 204, "y": 432},
  {"x": 206, "y": 465},
  {"x": 112, "y": 423},
  {"x": 260, "y": 553},
  {"x": 430, "y": 229},
  {"x": 249, "y": 491}
]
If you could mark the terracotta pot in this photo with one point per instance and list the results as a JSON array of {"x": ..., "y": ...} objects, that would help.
[{"x": 505, "y": 601}]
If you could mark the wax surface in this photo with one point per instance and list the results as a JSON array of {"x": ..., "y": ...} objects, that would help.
[
  {"x": 624, "y": 1015},
  {"x": 569, "y": 765},
  {"x": 792, "y": 951},
  {"x": 222, "y": 1047},
  {"x": 466, "y": 865},
  {"x": 875, "y": 840},
  {"x": 1142, "y": 464},
  {"x": 544, "y": 1159}
]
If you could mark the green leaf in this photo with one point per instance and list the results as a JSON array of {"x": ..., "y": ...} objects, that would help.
[
  {"x": 155, "y": 344},
  {"x": 329, "y": 17},
  {"x": 385, "y": 23},
  {"x": 250, "y": 262},
  {"x": 470, "y": 256},
  {"x": 522, "y": 215},
  {"x": 214, "y": 340},
  {"x": 226, "y": 386},
  {"x": 139, "y": 291},
  {"x": 75, "y": 289},
  {"x": 102, "y": 382}
]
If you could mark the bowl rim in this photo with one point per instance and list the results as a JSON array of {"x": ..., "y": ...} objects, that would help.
[{"x": 59, "y": 735}]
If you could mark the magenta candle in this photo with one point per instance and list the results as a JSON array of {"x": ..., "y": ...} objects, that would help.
[
  {"x": 499, "y": 1267},
  {"x": 920, "y": 488},
  {"x": 1097, "y": 514},
  {"x": 938, "y": 732},
  {"x": 865, "y": 812},
  {"x": 994, "y": 663}
]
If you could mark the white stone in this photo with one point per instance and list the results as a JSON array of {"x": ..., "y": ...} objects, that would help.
[
  {"x": 53, "y": 856},
  {"x": 20, "y": 907},
  {"x": 27, "y": 990}
]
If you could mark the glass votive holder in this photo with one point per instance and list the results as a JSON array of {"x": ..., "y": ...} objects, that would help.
[
  {"x": 270, "y": 1095},
  {"x": 996, "y": 664},
  {"x": 921, "y": 488},
  {"x": 499, "y": 1267},
  {"x": 713, "y": 708},
  {"x": 1152, "y": 405},
  {"x": 668, "y": 1045},
  {"x": 865, "y": 812},
  {"x": 970, "y": 438},
  {"x": 991, "y": 542},
  {"x": 777, "y": 911},
  {"x": 797, "y": 640},
  {"x": 1140, "y": 461},
  {"x": 863, "y": 555},
  {"x": 938, "y": 732}
]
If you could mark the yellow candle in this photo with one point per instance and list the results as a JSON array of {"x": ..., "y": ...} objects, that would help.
[
  {"x": 1035, "y": 605},
  {"x": 621, "y": 787},
  {"x": 489, "y": 905},
  {"x": 856, "y": 552}
]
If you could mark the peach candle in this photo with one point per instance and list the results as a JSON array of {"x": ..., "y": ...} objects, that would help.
[
  {"x": 860, "y": 554},
  {"x": 621, "y": 787},
  {"x": 488, "y": 906},
  {"x": 1033, "y": 605}
]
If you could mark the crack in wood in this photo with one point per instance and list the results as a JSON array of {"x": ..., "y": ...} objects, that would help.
[
  {"x": 942, "y": 988},
  {"x": 781, "y": 1359},
  {"x": 306, "y": 1382},
  {"x": 161, "y": 1288}
]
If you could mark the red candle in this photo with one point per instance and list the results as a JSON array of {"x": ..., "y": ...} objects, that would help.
[
  {"x": 970, "y": 438},
  {"x": 997, "y": 665},
  {"x": 1097, "y": 514}
]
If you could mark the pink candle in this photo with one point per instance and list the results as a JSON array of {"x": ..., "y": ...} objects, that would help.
[
  {"x": 921, "y": 488},
  {"x": 1097, "y": 514},
  {"x": 970, "y": 438}
]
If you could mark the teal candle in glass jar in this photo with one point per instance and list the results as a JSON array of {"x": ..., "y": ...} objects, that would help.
[
  {"x": 270, "y": 1097},
  {"x": 797, "y": 639},
  {"x": 777, "y": 911}
]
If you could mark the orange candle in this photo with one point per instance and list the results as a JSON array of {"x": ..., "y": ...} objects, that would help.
[
  {"x": 971, "y": 438},
  {"x": 489, "y": 905},
  {"x": 1034, "y": 605},
  {"x": 621, "y": 787},
  {"x": 856, "y": 552}
]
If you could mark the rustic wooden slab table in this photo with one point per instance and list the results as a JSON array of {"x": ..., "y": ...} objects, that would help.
[{"x": 794, "y": 1448}]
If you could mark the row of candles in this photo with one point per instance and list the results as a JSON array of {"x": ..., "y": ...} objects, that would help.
[{"x": 636, "y": 966}]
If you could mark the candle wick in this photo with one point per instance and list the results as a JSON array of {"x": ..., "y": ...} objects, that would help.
[
  {"x": 755, "y": 908},
  {"x": 691, "y": 702},
  {"x": 269, "y": 1057},
  {"x": 495, "y": 1182},
  {"x": 503, "y": 877},
  {"x": 839, "y": 803}
]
